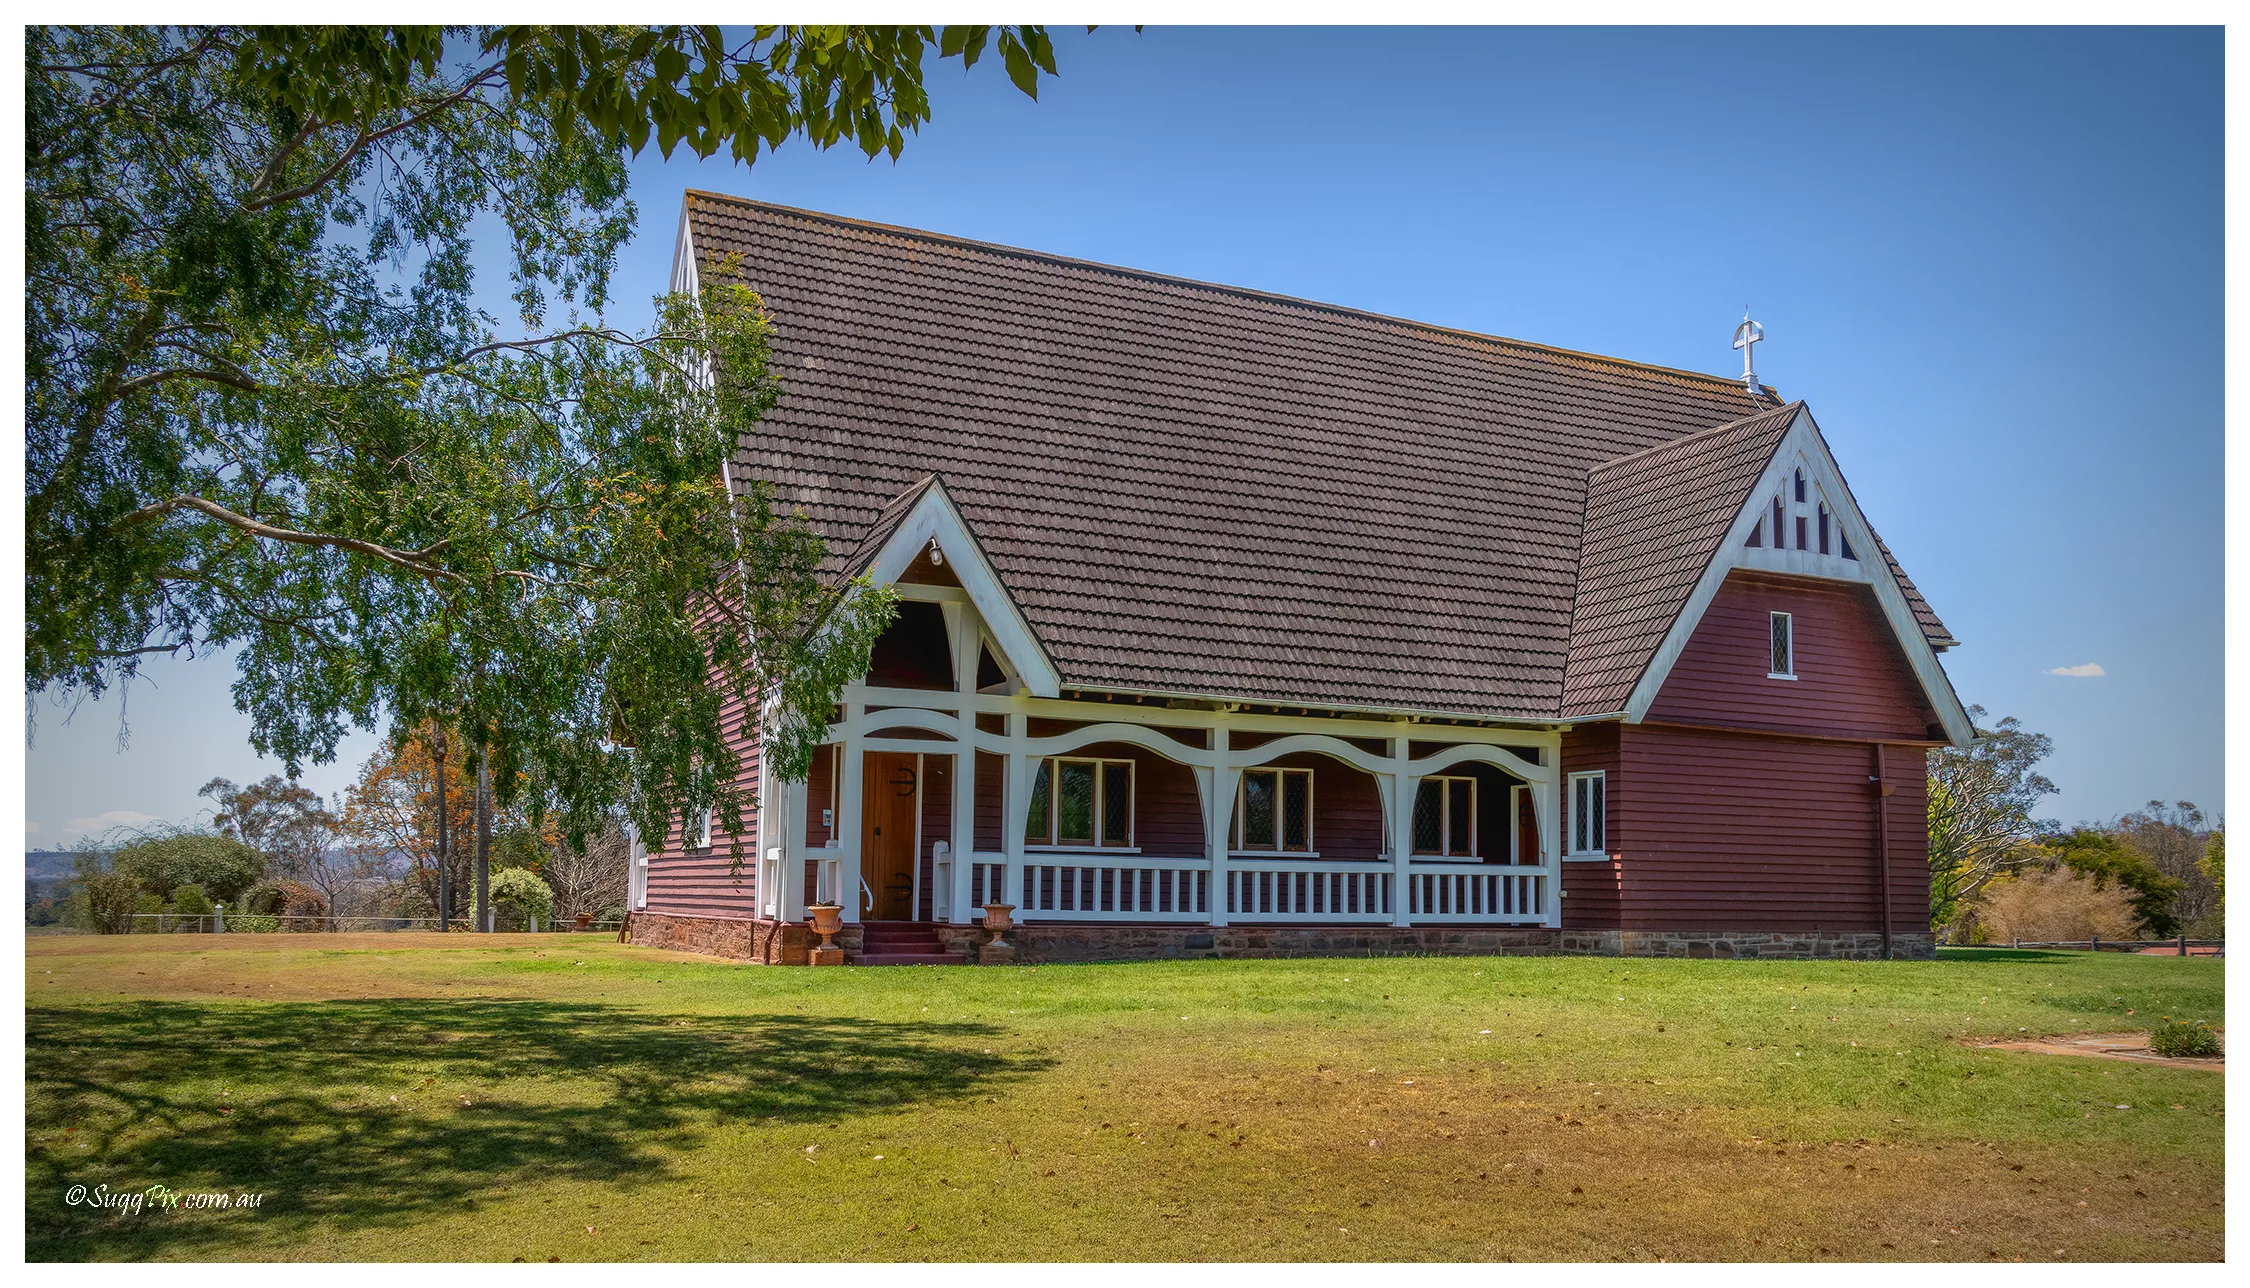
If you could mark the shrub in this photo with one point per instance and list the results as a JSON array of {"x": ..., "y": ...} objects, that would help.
[
  {"x": 108, "y": 900},
  {"x": 220, "y": 866},
  {"x": 2177, "y": 1038},
  {"x": 2053, "y": 907},
  {"x": 192, "y": 908},
  {"x": 253, "y": 924},
  {"x": 524, "y": 892}
]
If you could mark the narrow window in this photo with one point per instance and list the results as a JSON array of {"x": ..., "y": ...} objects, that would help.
[
  {"x": 1757, "y": 534},
  {"x": 1445, "y": 817},
  {"x": 1800, "y": 487},
  {"x": 1039, "y": 829},
  {"x": 703, "y": 831},
  {"x": 1784, "y": 648},
  {"x": 1824, "y": 529},
  {"x": 1779, "y": 540},
  {"x": 1081, "y": 803},
  {"x": 1589, "y": 813},
  {"x": 1273, "y": 810},
  {"x": 1800, "y": 532}
]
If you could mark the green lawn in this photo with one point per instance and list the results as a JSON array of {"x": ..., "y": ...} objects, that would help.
[{"x": 411, "y": 1098}]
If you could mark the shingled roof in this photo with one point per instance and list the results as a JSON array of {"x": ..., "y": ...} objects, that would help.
[{"x": 1199, "y": 489}]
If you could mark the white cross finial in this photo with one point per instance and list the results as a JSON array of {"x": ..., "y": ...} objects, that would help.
[{"x": 1746, "y": 336}]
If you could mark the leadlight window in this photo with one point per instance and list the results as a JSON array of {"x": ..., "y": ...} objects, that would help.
[
  {"x": 1784, "y": 657},
  {"x": 1273, "y": 810},
  {"x": 1081, "y": 802},
  {"x": 1589, "y": 813},
  {"x": 703, "y": 831},
  {"x": 1445, "y": 817}
]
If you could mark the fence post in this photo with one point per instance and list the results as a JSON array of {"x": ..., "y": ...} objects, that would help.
[
  {"x": 2183, "y": 944},
  {"x": 2097, "y": 945}
]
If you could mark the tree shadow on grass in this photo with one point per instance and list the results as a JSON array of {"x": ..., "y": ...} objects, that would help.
[
  {"x": 350, "y": 1112},
  {"x": 2012, "y": 956}
]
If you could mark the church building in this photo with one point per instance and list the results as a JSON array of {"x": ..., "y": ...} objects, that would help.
[{"x": 1232, "y": 624}]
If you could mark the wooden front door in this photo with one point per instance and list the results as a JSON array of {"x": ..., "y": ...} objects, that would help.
[{"x": 890, "y": 800}]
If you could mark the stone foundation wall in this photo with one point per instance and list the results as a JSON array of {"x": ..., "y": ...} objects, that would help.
[
  {"x": 1802, "y": 944},
  {"x": 787, "y": 943},
  {"x": 744, "y": 939}
]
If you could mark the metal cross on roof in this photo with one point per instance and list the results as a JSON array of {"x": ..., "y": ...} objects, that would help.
[{"x": 1746, "y": 337}]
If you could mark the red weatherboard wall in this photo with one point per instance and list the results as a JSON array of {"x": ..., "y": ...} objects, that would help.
[
  {"x": 709, "y": 883},
  {"x": 1715, "y": 827},
  {"x": 1852, "y": 678}
]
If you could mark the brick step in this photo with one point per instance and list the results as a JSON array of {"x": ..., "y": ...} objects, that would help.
[{"x": 908, "y": 959}]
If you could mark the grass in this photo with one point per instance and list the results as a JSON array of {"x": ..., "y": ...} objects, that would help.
[{"x": 402, "y": 1097}]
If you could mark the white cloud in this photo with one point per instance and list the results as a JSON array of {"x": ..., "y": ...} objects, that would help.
[
  {"x": 101, "y": 823},
  {"x": 2082, "y": 670}
]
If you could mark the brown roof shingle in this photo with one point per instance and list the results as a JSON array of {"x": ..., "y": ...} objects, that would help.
[{"x": 1192, "y": 488}]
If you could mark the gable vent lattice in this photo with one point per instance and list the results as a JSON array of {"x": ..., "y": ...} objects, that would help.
[{"x": 1800, "y": 518}]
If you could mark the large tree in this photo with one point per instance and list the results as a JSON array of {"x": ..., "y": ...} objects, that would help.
[
  {"x": 1980, "y": 812},
  {"x": 265, "y": 412}
]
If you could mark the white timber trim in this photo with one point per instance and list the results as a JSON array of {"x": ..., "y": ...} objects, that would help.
[
  {"x": 686, "y": 280},
  {"x": 934, "y": 518},
  {"x": 1803, "y": 448}
]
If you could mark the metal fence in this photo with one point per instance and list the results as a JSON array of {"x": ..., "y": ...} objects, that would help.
[
  {"x": 247, "y": 923},
  {"x": 2183, "y": 946}
]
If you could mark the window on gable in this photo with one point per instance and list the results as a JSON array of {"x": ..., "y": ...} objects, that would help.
[
  {"x": 1273, "y": 810},
  {"x": 1589, "y": 813},
  {"x": 1800, "y": 532},
  {"x": 1445, "y": 817},
  {"x": 1784, "y": 657},
  {"x": 1824, "y": 529},
  {"x": 1847, "y": 544},
  {"x": 1081, "y": 802},
  {"x": 1778, "y": 539},
  {"x": 1800, "y": 487}
]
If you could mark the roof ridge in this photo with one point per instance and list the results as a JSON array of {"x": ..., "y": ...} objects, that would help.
[
  {"x": 1248, "y": 292},
  {"x": 1738, "y": 422}
]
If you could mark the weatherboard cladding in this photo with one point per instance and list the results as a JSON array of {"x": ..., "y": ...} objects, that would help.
[{"x": 1193, "y": 488}]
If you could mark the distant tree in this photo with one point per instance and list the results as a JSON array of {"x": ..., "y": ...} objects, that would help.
[
  {"x": 2175, "y": 838},
  {"x": 589, "y": 880},
  {"x": 2215, "y": 861},
  {"x": 2044, "y": 905},
  {"x": 393, "y": 810},
  {"x": 1980, "y": 812},
  {"x": 2103, "y": 857},
  {"x": 220, "y": 866},
  {"x": 284, "y": 820}
]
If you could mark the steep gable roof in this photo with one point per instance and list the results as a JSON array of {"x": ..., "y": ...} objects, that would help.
[
  {"x": 1196, "y": 489},
  {"x": 1653, "y": 522}
]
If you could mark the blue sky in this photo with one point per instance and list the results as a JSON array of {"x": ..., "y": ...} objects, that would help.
[{"x": 1991, "y": 260}]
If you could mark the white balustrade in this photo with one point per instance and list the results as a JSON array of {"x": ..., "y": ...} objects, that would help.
[
  {"x": 1097, "y": 887},
  {"x": 1454, "y": 892},
  {"x": 1307, "y": 890}
]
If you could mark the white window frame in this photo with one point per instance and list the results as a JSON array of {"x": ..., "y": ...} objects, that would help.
[
  {"x": 703, "y": 831},
  {"x": 1580, "y": 785},
  {"x": 1787, "y": 622},
  {"x": 1311, "y": 848},
  {"x": 1050, "y": 769},
  {"x": 1445, "y": 816}
]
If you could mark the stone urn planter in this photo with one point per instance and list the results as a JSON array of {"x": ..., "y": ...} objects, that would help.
[
  {"x": 827, "y": 920},
  {"x": 997, "y": 919},
  {"x": 585, "y": 920}
]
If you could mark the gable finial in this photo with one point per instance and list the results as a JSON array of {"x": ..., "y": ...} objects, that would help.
[{"x": 1745, "y": 336}]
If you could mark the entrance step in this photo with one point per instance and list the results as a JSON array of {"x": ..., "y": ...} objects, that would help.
[
  {"x": 909, "y": 959},
  {"x": 903, "y": 943}
]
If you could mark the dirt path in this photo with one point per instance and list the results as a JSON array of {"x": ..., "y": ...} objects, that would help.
[{"x": 2106, "y": 1046}]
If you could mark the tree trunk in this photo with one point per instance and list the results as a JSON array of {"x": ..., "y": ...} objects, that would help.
[
  {"x": 484, "y": 841},
  {"x": 444, "y": 850}
]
